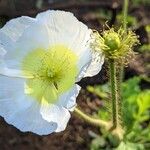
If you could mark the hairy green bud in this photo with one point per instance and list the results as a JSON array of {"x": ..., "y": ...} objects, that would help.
[
  {"x": 117, "y": 45},
  {"x": 112, "y": 41}
]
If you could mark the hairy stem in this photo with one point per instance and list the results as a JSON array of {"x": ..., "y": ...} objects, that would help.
[
  {"x": 91, "y": 120},
  {"x": 125, "y": 13},
  {"x": 120, "y": 73},
  {"x": 121, "y": 68},
  {"x": 114, "y": 92}
]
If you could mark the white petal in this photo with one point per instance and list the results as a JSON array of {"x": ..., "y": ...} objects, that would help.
[
  {"x": 15, "y": 27},
  {"x": 32, "y": 38},
  {"x": 35, "y": 36},
  {"x": 49, "y": 28},
  {"x": 64, "y": 28},
  {"x": 55, "y": 113},
  {"x": 95, "y": 66},
  {"x": 14, "y": 73},
  {"x": 20, "y": 36},
  {"x": 20, "y": 110},
  {"x": 13, "y": 30},
  {"x": 68, "y": 99},
  {"x": 84, "y": 62},
  {"x": 2, "y": 51},
  {"x": 9, "y": 34},
  {"x": 31, "y": 120}
]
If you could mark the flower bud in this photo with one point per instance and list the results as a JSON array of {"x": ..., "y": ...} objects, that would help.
[
  {"x": 117, "y": 45},
  {"x": 112, "y": 41}
]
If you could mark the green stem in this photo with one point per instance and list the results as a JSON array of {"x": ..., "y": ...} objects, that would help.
[
  {"x": 125, "y": 13},
  {"x": 114, "y": 93},
  {"x": 120, "y": 75},
  {"x": 93, "y": 121}
]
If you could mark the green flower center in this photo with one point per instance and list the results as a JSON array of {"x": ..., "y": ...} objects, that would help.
[
  {"x": 53, "y": 70},
  {"x": 112, "y": 41}
]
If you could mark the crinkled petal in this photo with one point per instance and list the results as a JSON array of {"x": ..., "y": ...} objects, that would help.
[
  {"x": 2, "y": 51},
  {"x": 34, "y": 37},
  {"x": 15, "y": 27},
  {"x": 63, "y": 27},
  {"x": 31, "y": 120},
  {"x": 20, "y": 110},
  {"x": 30, "y": 35},
  {"x": 47, "y": 29},
  {"x": 68, "y": 99},
  {"x": 55, "y": 113},
  {"x": 13, "y": 30},
  {"x": 95, "y": 66}
]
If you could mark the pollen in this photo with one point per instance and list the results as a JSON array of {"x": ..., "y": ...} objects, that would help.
[
  {"x": 54, "y": 71},
  {"x": 50, "y": 74}
]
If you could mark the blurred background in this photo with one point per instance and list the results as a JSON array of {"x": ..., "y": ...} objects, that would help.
[{"x": 94, "y": 13}]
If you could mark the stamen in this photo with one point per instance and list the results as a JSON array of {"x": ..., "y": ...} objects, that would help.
[
  {"x": 55, "y": 84},
  {"x": 50, "y": 73},
  {"x": 57, "y": 66}
]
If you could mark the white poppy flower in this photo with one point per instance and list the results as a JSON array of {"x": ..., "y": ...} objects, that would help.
[{"x": 41, "y": 59}]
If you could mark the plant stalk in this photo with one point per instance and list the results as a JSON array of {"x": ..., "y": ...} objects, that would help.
[
  {"x": 120, "y": 73},
  {"x": 91, "y": 120},
  {"x": 121, "y": 68},
  {"x": 125, "y": 13},
  {"x": 114, "y": 93}
]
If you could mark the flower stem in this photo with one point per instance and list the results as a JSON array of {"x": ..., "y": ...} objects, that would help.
[
  {"x": 91, "y": 120},
  {"x": 125, "y": 13},
  {"x": 120, "y": 73},
  {"x": 114, "y": 93}
]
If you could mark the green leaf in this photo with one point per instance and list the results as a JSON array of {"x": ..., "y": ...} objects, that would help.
[
  {"x": 97, "y": 143},
  {"x": 143, "y": 101},
  {"x": 130, "y": 146},
  {"x": 130, "y": 93},
  {"x": 145, "y": 48}
]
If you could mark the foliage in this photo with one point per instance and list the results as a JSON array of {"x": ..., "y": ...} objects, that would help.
[
  {"x": 130, "y": 146},
  {"x": 139, "y": 2},
  {"x": 135, "y": 115},
  {"x": 131, "y": 20},
  {"x": 145, "y": 48}
]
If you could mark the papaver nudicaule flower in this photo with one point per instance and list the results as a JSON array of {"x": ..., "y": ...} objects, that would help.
[{"x": 41, "y": 59}]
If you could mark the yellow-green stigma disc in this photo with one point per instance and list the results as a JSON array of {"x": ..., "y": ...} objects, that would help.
[
  {"x": 53, "y": 70},
  {"x": 112, "y": 40}
]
